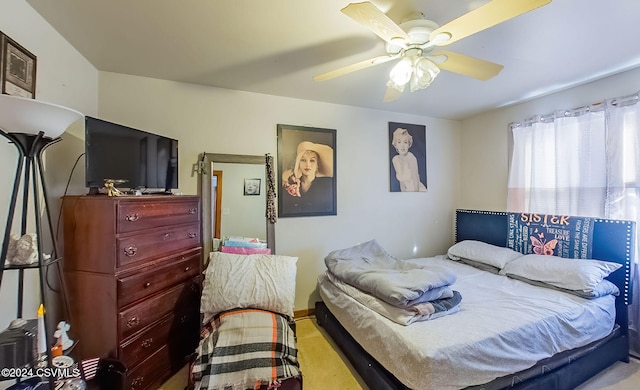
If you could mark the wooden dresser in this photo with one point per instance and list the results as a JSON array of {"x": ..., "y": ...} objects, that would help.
[{"x": 133, "y": 270}]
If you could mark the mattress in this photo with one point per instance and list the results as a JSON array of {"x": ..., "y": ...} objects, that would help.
[{"x": 503, "y": 326}]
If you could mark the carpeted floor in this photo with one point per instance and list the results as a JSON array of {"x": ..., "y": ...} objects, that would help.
[
  {"x": 619, "y": 376},
  {"x": 324, "y": 367}
]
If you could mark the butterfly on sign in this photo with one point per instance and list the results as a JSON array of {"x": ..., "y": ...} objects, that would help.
[{"x": 541, "y": 246}]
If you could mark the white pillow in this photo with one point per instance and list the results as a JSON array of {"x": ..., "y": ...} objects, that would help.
[
  {"x": 482, "y": 252},
  {"x": 259, "y": 281},
  {"x": 571, "y": 274},
  {"x": 603, "y": 288}
]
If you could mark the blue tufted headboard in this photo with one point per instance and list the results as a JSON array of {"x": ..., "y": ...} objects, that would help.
[{"x": 558, "y": 235}]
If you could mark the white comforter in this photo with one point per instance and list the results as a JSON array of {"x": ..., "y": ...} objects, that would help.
[
  {"x": 398, "y": 282},
  {"x": 503, "y": 326}
]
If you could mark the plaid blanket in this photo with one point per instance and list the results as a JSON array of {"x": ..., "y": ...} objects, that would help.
[{"x": 246, "y": 349}]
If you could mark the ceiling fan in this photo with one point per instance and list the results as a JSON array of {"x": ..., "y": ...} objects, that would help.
[{"x": 415, "y": 44}]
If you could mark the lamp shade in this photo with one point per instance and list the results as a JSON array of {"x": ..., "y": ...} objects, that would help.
[
  {"x": 401, "y": 72},
  {"x": 424, "y": 73},
  {"x": 29, "y": 116}
]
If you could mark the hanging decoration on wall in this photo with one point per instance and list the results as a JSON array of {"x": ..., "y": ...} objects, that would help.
[
  {"x": 252, "y": 186},
  {"x": 17, "y": 69},
  {"x": 271, "y": 190},
  {"x": 408, "y": 157},
  {"x": 307, "y": 171}
]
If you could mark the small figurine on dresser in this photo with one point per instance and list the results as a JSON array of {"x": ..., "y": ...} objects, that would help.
[
  {"x": 110, "y": 185},
  {"x": 61, "y": 335}
]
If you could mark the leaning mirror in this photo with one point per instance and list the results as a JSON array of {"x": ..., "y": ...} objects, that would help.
[{"x": 233, "y": 190}]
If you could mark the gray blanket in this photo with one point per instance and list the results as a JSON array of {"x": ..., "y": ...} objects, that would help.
[{"x": 371, "y": 269}]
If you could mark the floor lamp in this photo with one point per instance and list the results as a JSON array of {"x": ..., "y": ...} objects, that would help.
[{"x": 32, "y": 125}]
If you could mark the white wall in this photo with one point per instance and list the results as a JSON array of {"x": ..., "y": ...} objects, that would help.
[
  {"x": 63, "y": 77},
  {"x": 484, "y": 137},
  {"x": 223, "y": 121}
]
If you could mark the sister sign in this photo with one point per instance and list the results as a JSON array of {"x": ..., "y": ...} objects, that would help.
[{"x": 551, "y": 235}]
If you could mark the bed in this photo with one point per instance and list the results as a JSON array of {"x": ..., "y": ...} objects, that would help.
[
  {"x": 248, "y": 338},
  {"x": 504, "y": 333}
]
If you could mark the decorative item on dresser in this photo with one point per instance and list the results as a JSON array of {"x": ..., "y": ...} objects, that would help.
[{"x": 133, "y": 267}]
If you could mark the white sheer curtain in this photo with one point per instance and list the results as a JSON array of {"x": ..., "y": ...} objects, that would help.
[{"x": 584, "y": 161}]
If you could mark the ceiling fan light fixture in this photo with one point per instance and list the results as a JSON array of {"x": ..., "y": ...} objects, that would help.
[
  {"x": 400, "y": 73},
  {"x": 414, "y": 41},
  {"x": 424, "y": 72}
]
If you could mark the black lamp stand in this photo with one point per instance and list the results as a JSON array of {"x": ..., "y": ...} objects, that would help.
[{"x": 30, "y": 176}]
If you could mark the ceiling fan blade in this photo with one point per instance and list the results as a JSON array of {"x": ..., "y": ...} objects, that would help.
[
  {"x": 483, "y": 17},
  {"x": 353, "y": 67},
  {"x": 391, "y": 94},
  {"x": 375, "y": 20},
  {"x": 468, "y": 66}
]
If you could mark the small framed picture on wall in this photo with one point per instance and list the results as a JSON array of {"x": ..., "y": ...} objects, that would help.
[
  {"x": 408, "y": 157},
  {"x": 306, "y": 171},
  {"x": 17, "y": 69},
  {"x": 252, "y": 187}
]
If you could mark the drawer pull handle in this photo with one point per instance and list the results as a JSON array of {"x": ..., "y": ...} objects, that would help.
[
  {"x": 187, "y": 268},
  {"x": 137, "y": 382},
  {"x": 133, "y": 321},
  {"x": 193, "y": 210},
  {"x": 147, "y": 285},
  {"x": 130, "y": 251},
  {"x": 193, "y": 235},
  {"x": 147, "y": 343},
  {"x": 132, "y": 217}
]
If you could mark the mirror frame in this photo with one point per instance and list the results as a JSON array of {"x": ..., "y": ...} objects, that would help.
[{"x": 204, "y": 190}]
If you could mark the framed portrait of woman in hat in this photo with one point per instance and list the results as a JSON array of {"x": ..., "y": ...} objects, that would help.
[{"x": 306, "y": 171}]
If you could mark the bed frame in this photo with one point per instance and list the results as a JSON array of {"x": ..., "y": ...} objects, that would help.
[{"x": 609, "y": 240}]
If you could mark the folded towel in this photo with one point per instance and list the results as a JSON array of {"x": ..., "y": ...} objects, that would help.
[
  {"x": 245, "y": 251},
  {"x": 245, "y": 244}
]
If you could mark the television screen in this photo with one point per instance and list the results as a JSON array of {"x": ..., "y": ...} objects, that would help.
[{"x": 145, "y": 161}]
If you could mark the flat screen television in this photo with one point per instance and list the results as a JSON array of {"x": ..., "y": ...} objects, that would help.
[{"x": 145, "y": 161}]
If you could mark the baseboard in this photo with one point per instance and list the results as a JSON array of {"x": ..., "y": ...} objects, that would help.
[{"x": 297, "y": 314}]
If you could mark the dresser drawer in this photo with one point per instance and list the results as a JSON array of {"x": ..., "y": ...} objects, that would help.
[
  {"x": 149, "y": 371},
  {"x": 177, "y": 331},
  {"x": 138, "y": 215},
  {"x": 155, "y": 243},
  {"x": 143, "y": 345},
  {"x": 176, "y": 299},
  {"x": 158, "y": 276}
]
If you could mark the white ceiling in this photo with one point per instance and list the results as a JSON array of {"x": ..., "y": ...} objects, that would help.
[{"x": 275, "y": 47}]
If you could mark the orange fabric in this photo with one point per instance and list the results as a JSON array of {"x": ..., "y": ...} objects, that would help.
[{"x": 274, "y": 338}]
